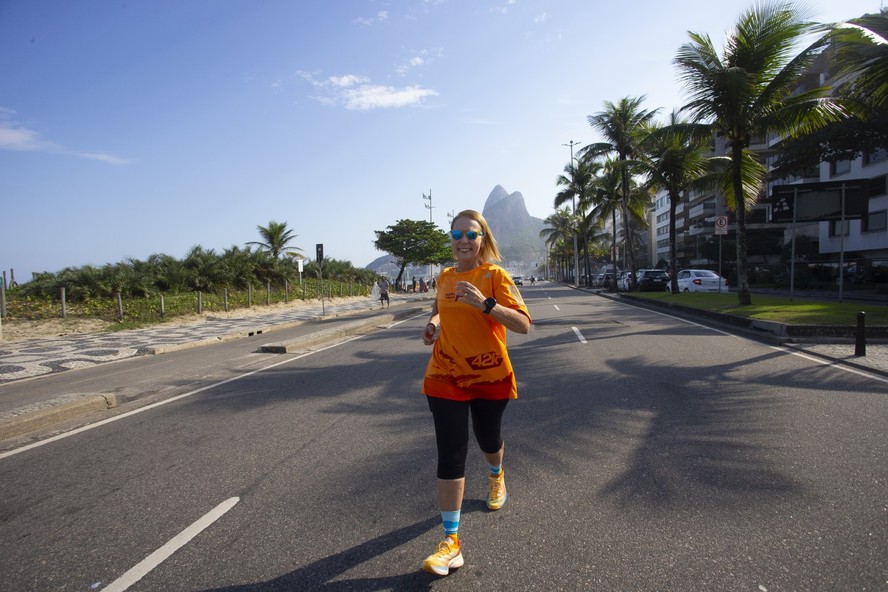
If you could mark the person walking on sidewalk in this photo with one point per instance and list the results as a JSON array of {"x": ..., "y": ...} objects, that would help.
[
  {"x": 383, "y": 284},
  {"x": 469, "y": 371}
]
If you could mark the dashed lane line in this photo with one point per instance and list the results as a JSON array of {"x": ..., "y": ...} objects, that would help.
[{"x": 142, "y": 568}]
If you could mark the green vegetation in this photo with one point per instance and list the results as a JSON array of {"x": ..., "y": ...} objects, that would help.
[
  {"x": 414, "y": 242},
  {"x": 130, "y": 293},
  {"x": 146, "y": 310},
  {"x": 778, "y": 309}
]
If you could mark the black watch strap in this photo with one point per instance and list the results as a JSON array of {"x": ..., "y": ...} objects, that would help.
[{"x": 489, "y": 304}]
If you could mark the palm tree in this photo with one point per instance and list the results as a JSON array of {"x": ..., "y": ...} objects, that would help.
[
  {"x": 238, "y": 267},
  {"x": 560, "y": 230},
  {"x": 606, "y": 199},
  {"x": 201, "y": 268},
  {"x": 277, "y": 237},
  {"x": 748, "y": 92},
  {"x": 862, "y": 56},
  {"x": 622, "y": 125},
  {"x": 577, "y": 183},
  {"x": 676, "y": 162}
]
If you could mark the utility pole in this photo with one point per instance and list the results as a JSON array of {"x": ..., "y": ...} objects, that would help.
[
  {"x": 430, "y": 207},
  {"x": 574, "y": 201}
]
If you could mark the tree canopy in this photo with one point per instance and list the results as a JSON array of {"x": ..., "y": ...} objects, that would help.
[{"x": 414, "y": 242}]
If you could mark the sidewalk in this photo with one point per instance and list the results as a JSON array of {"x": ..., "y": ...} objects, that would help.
[{"x": 39, "y": 357}]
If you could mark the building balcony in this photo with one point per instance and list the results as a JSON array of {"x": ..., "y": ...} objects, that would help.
[{"x": 706, "y": 208}]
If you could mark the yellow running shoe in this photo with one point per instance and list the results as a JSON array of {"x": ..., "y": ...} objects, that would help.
[
  {"x": 497, "y": 496},
  {"x": 447, "y": 557}
]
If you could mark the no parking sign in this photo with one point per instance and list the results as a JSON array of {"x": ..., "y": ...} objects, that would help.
[{"x": 721, "y": 225}]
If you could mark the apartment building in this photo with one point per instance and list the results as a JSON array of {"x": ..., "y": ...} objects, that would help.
[{"x": 861, "y": 244}]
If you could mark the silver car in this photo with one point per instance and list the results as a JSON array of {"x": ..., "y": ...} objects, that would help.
[{"x": 701, "y": 280}]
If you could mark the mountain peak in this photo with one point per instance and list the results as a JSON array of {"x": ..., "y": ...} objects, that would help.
[{"x": 516, "y": 231}]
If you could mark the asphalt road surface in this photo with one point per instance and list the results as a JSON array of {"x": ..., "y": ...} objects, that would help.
[{"x": 645, "y": 453}]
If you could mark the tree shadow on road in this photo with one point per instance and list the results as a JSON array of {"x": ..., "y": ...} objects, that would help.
[{"x": 320, "y": 575}]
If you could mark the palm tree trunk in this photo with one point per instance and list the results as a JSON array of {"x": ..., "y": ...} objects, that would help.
[
  {"x": 628, "y": 239},
  {"x": 743, "y": 295},
  {"x": 673, "y": 267},
  {"x": 614, "y": 245}
]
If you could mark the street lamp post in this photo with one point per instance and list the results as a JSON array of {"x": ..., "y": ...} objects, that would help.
[
  {"x": 574, "y": 201},
  {"x": 430, "y": 207}
]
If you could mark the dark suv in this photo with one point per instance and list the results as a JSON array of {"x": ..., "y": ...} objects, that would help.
[{"x": 652, "y": 280}]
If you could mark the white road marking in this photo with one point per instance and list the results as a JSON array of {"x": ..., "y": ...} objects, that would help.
[
  {"x": 579, "y": 335},
  {"x": 142, "y": 568},
  {"x": 830, "y": 363},
  {"x": 556, "y": 307}
]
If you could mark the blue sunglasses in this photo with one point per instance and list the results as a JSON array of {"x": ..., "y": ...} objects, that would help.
[{"x": 471, "y": 234}]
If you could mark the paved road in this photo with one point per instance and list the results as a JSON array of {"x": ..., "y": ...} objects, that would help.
[
  {"x": 23, "y": 409},
  {"x": 645, "y": 453}
]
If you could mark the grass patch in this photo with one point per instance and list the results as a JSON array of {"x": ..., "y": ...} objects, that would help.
[{"x": 778, "y": 308}]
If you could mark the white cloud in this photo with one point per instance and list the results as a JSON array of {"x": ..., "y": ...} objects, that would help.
[
  {"x": 13, "y": 137},
  {"x": 357, "y": 93},
  {"x": 504, "y": 9},
  {"x": 380, "y": 17},
  {"x": 346, "y": 81},
  {"x": 17, "y": 137},
  {"x": 367, "y": 97},
  {"x": 422, "y": 58},
  {"x": 102, "y": 157}
]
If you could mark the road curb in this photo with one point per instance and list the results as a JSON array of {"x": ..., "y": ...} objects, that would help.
[
  {"x": 59, "y": 409},
  {"x": 338, "y": 332}
]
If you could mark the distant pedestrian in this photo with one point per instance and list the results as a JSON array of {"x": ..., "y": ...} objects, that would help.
[
  {"x": 383, "y": 284},
  {"x": 469, "y": 371}
]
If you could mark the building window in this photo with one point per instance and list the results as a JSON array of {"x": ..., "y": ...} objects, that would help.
[
  {"x": 839, "y": 227},
  {"x": 839, "y": 168},
  {"x": 876, "y": 221},
  {"x": 874, "y": 156}
]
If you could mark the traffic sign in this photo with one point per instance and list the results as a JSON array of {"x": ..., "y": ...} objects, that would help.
[{"x": 721, "y": 225}]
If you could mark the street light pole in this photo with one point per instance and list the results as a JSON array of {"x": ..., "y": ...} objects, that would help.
[
  {"x": 574, "y": 201},
  {"x": 430, "y": 207}
]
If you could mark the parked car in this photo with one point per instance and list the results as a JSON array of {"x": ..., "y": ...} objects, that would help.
[
  {"x": 700, "y": 280},
  {"x": 650, "y": 280},
  {"x": 624, "y": 280},
  {"x": 518, "y": 279}
]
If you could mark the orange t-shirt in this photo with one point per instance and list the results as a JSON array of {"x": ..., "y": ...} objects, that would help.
[{"x": 469, "y": 359}]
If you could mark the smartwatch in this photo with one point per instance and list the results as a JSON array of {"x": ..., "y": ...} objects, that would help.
[{"x": 489, "y": 304}]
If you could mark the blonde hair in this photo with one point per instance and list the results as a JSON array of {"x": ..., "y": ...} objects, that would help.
[{"x": 489, "y": 252}]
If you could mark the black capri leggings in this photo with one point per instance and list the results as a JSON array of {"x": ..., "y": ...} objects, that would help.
[{"x": 452, "y": 431}]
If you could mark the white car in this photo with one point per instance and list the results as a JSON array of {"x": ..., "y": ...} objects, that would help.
[
  {"x": 701, "y": 280},
  {"x": 624, "y": 280}
]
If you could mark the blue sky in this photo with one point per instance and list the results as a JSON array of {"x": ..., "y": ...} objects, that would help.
[{"x": 141, "y": 127}]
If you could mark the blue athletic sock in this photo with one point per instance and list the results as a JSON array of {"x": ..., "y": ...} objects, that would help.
[
  {"x": 495, "y": 469},
  {"x": 450, "y": 521}
]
